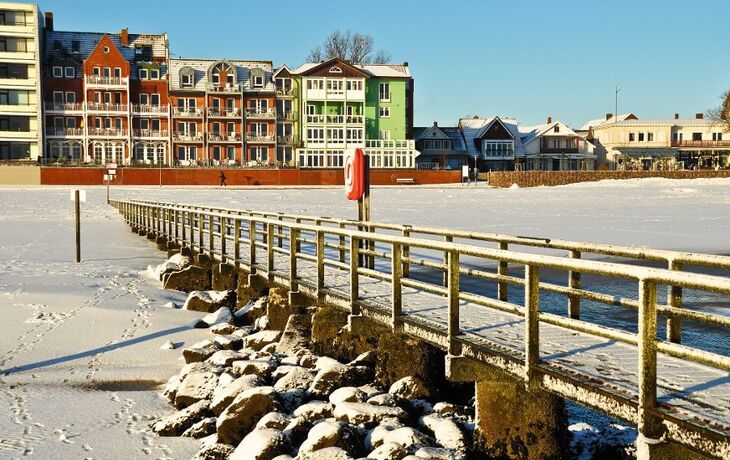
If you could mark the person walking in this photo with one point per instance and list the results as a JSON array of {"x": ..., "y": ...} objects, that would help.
[{"x": 223, "y": 179}]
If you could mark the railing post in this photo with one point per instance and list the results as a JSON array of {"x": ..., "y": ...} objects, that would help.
[
  {"x": 674, "y": 300},
  {"x": 237, "y": 243},
  {"x": 502, "y": 269},
  {"x": 252, "y": 243},
  {"x": 406, "y": 251},
  {"x": 574, "y": 283},
  {"x": 447, "y": 239},
  {"x": 200, "y": 232},
  {"x": 453, "y": 285},
  {"x": 177, "y": 226},
  {"x": 211, "y": 235},
  {"x": 532, "y": 323},
  {"x": 648, "y": 425},
  {"x": 279, "y": 232},
  {"x": 371, "y": 248},
  {"x": 354, "y": 275},
  {"x": 224, "y": 234},
  {"x": 298, "y": 243},
  {"x": 342, "y": 243},
  {"x": 270, "y": 252},
  {"x": 396, "y": 273},
  {"x": 293, "y": 237},
  {"x": 320, "y": 265}
]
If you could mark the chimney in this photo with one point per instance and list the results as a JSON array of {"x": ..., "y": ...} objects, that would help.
[
  {"x": 405, "y": 63},
  {"x": 699, "y": 116},
  {"x": 125, "y": 37},
  {"x": 436, "y": 123},
  {"x": 676, "y": 115},
  {"x": 49, "y": 21},
  {"x": 609, "y": 116},
  {"x": 549, "y": 120}
]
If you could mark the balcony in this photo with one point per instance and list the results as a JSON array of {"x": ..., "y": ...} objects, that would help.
[
  {"x": 148, "y": 133},
  {"x": 287, "y": 140},
  {"x": 345, "y": 119},
  {"x": 256, "y": 113},
  {"x": 228, "y": 112},
  {"x": 550, "y": 150},
  {"x": 316, "y": 119},
  {"x": 142, "y": 109},
  {"x": 262, "y": 138},
  {"x": 187, "y": 112},
  {"x": 228, "y": 89},
  {"x": 285, "y": 92},
  {"x": 182, "y": 136},
  {"x": 64, "y": 132},
  {"x": 19, "y": 56},
  {"x": 224, "y": 137},
  {"x": 104, "y": 107},
  {"x": 107, "y": 132},
  {"x": 63, "y": 107},
  {"x": 109, "y": 82},
  {"x": 286, "y": 116},
  {"x": 696, "y": 144}
]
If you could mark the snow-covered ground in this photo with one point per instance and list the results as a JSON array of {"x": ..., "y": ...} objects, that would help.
[{"x": 80, "y": 353}]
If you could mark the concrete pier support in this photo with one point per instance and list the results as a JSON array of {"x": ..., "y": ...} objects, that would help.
[
  {"x": 658, "y": 449},
  {"x": 224, "y": 277},
  {"x": 172, "y": 249},
  {"x": 161, "y": 243},
  {"x": 510, "y": 421}
]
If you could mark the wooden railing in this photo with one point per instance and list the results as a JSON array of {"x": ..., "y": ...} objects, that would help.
[{"x": 346, "y": 250}]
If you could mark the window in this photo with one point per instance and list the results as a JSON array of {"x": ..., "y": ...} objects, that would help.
[
  {"x": 144, "y": 124},
  {"x": 498, "y": 148},
  {"x": 117, "y": 72},
  {"x": 144, "y": 98},
  {"x": 215, "y": 77},
  {"x": 641, "y": 137},
  {"x": 650, "y": 137},
  {"x": 58, "y": 97},
  {"x": 354, "y": 85},
  {"x": 385, "y": 91},
  {"x": 96, "y": 71},
  {"x": 155, "y": 74},
  {"x": 385, "y": 112},
  {"x": 108, "y": 123},
  {"x": 107, "y": 98},
  {"x": 231, "y": 128},
  {"x": 187, "y": 80},
  {"x": 556, "y": 129},
  {"x": 696, "y": 136},
  {"x": 97, "y": 123},
  {"x": 632, "y": 137},
  {"x": 13, "y": 70},
  {"x": 70, "y": 72},
  {"x": 155, "y": 99},
  {"x": 118, "y": 123},
  {"x": 258, "y": 81},
  {"x": 71, "y": 123},
  {"x": 143, "y": 74},
  {"x": 231, "y": 153},
  {"x": 315, "y": 84},
  {"x": 385, "y": 134},
  {"x": 335, "y": 69},
  {"x": 75, "y": 46},
  {"x": 217, "y": 153},
  {"x": 310, "y": 109},
  {"x": 70, "y": 97},
  {"x": 57, "y": 72},
  {"x": 155, "y": 124},
  {"x": 230, "y": 79},
  {"x": 716, "y": 136}
]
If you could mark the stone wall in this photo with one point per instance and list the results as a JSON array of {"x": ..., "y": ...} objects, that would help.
[{"x": 537, "y": 178}]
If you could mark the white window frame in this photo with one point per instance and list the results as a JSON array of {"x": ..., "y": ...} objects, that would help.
[
  {"x": 154, "y": 74},
  {"x": 187, "y": 81},
  {"x": 57, "y": 71},
  {"x": 66, "y": 72},
  {"x": 258, "y": 81},
  {"x": 384, "y": 135},
  {"x": 384, "y": 91},
  {"x": 384, "y": 112},
  {"x": 143, "y": 75},
  {"x": 144, "y": 99}
]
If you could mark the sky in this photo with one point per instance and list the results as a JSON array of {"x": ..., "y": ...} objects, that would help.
[{"x": 519, "y": 58}]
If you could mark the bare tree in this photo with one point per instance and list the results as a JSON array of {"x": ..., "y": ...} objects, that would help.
[
  {"x": 722, "y": 113},
  {"x": 352, "y": 46}
]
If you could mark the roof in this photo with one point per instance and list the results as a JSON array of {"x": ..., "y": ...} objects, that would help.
[
  {"x": 611, "y": 119},
  {"x": 668, "y": 122},
  {"x": 373, "y": 70},
  {"x": 530, "y": 133},
  {"x": 453, "y": 133},
  {"x": 201, "y": 67},
  {"x": 474, "y": 128}
]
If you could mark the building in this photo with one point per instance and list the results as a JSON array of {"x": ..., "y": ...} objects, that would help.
[
  {"x": 629, "y": 143},
  {"x": 440, "y": 147},
  {"x": 348, "y": 105},
  {"x": 224, "y": 112},
  {"x": 500, "y": 144},
  {"x": 106, "y": 96},
  {"x": 21, "y": 120}
]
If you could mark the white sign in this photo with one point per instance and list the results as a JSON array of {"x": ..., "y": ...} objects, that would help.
[
  {"x": 107, "y": 177},
  {"x": 82, "y": 196},
  {"x": 465, "y": 172},
  {"x": 111, "y": 166},
  {"x": 112, "y": 172}
]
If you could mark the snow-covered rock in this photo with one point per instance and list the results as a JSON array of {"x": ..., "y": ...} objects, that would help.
[
  {"x": 194, "y": 387},
  {"x": 223, "y": 329},
  {"x": 261, "y": 444},
  {"x": 276, "y": 420},
  {"x": 244, "y": 412},
  {"x": 409, "y": 388},
  {"x": 347, "y": 394},
  {"x": 366, "y": 414},
  {"x": 376, "y": 436},
  {"x": 330, "y": 434},
  {"x": 175, "y": 263},
  {"x": 201, "y": 429},
  {"x": 169, "y": 345},
  {"x": 177, "y": 423},
  {"x": 225, "y": 357},
  {"x": 438, "y": 453},
  {"x": 314, "y": 410},
  {"x": 171, "y": 386},
  {"x": 223, "y": 397},
  {"x": 446, "y": 432},
  {"x": 260, "y": 339},
  {"x": 210, "y": 301},
  {"x": 383, "y": 399},
  {"x": 228, "y": 342},
  {"x": 199, "y": 351},
  {"x": 328, "y": 453},
  {"x": 214, "y": 451},
  {"x": 260, "y": 367},
  {"x": 388, "y": 451}
]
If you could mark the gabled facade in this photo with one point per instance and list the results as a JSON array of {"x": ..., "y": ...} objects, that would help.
[
  {"x": 288, "y": 116},
  {"x": 440, "y": 147}
]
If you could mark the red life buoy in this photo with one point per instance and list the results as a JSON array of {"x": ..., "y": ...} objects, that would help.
[{"x": 355, "y": 174}]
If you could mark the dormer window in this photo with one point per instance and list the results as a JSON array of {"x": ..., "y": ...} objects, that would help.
[
  {"x": 187, "y": 81},
  {"x": 155, "y": 74},
  {"x": 57, "y": 72},
  {"x": 143, "y": 75},
  {"x": 258, "y": 81},
  {"x": 230, "y": 79},
  {"x": 215, "y": 78},
  {"x": 335, "y": 69},
  {"x": 70, "y": 72},
  {"x": 556, "y": 129}
]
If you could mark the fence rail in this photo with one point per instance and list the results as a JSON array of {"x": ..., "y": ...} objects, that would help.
[{"x": 318, "y": 255}]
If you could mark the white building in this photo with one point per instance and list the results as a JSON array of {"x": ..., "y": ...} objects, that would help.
[{"x": 20, "y": 83}]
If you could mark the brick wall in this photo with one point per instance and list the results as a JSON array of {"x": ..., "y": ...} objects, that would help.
[
  {"x": 537, "y": 178},
  {"x": 194, "y": 176}
]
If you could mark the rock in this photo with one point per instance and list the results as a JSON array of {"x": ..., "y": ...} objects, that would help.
[
  {"x": 421, "y": 406},
  {"x": 177, "y": 423},
  {"x": 437, "y": 453},
  {"x": 297, "y": 377},
  {"x": 314, "y": 410},
  {"x": 307, "y": 361},
  {"x": 408, "y": 437},
  {"x": 366, "y": 414},
  {"x": 446, "y": 432},
  {"x": 223, "y": 381},
  {"x": 297, "y": 429},
  {"x": 261, "y": 444},
  {"x": 409, "y": 388},
  {"x": 169, "y": 345},
  {"x": 328, "y": 453},
  {"x": 210, "y": 301},
  {"x": 283, "y": 457},
  {"x": 244, "y": 412},
  {"x": 223, "y": 397},
  {"x": 347, "y": 394},
  {"x": 251, "y": 297},
  {"x": 260, "y": 367},
  {"x": 296, "y": 335},
  {"x": 367, "y": 358},
  {"x": 260, "y": 339},
  {"x": 370, "y": 390},
  {"x": 326, "y": 322},
  {"x": 223, "y": 277},
  {"x": 331, "y": 434},
  {"x": 223, "y": 329},
  {"x": 214, "y": 451},
  {"x": 400, "y": 355},
  {"x": 194, "y": 387},
  {"x": 376, "y": 437},
  {"x": 220, "y": 316},
  {"x": 292, "y": 399},
  {"x": 170, "y": 389},
  {"x": 261, "y": 323},
  {"x": 284, "y": 369},
  {"x": 276, "y": 420},
  {"x": 445, "y": 409},
  {"x": 199, "y": 366},
  {"x": 335, "y": 376},
  {"x": 225, "y": 358},
  {"x": 228, "y": 342},
  {"x": 188, "y": 279},
  {"x": 388, "y": 451},
  {"x": 324, "y": 362},
  {"x": 201, "y": 429},
  {"x": 278, "y": 309},
  {"x": 242, "y": 332},
  {"x": 175, "y": 263},
  {"x": 270, "y": 348},
  {"x": 172, "y": 305},
  {"x": 384, "y": 399},
  {"x": 199, "y": 351}
]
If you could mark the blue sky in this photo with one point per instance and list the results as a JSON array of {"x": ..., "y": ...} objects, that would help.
[{"x": 527, "y": 59}]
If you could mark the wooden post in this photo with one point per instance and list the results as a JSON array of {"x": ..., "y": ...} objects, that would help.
[
  {"x": 320, "y": 265},
  {"x": 211, "y": 236},
  {"x": 396, "y": 271},
  {"x": 532, "y": 322},
  {"x": 270, "y": 252},
  {"x": 354, "y": 278},
  {"x": 445, "y": 277},
  {"x": 406, "y": 252},
  {"x": 77, "y": 212},
  {"x": 224, "y": 234},
  {"x": 200, "y": 232},
  {"x": 453, "y": 301},
  {"x": 574, "y": 282},
  {"x": 252, "y": 244},
  {"x": 674, "y": 300},
  {"x": 648, "y": 425},
  {"x": 342, "y": 243},
  {"x": 237, "y": 243},
  {"x": 502, "y": 269},
  {"x": 279, "y": 232},
  {"x": 293, "y": 237}
]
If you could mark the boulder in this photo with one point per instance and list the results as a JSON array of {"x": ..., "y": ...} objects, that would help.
[
  {"x": 376, "y": 437},
  {"x": 171, "y": 386},
  {"x": 260, "y": 339},
  {"x": 438, "y": 453},
  {"x": 199, "y": 351},
  {"x": 210, "y": 301},
  {"x": 199, "y": 366},
  {"x": 220, "y": 316},
  {"x": 296, "y": 335},
  {"x": 296, "y": 377},
  {"x": 366, "y": 414},
  {"x": 260, "y": 367},
  {"x": 223, "y": 397},
  {"x": 214, "y": 451},
  {"x": 347, "y": 394},
  {"x": 244, "y": 412},
  {"x": 297, "y": 429},
  {"x": 409, "y": 388},
  {"x": 446, "y": 432},
  {"x": 278, "y": 308},
  {"x": 225, "y": 358},
  {"x": 328, "y": 453},
  {"x": 284, "y": 369},
  {"x": 367, "y": 358},
  {"x": 276, "y": 420},
  {"x": 314, "y": 410},
  {"x": 201, "y": 429},
  {"x": 408, "y": 437},
  {"x": 223, "y": 277},
  {"x": 384, "y": 399},
  {"x": 169, "y": 345},
  {"x": 195, "y": 387},
  {"x": 228, "y": 342},
  {"x": 335, "y": 376},
  {"x": 175, "y": 263},
  {"x": 247, "y": 295},
  {"x": 188, "y": 279},
  {"x": 261, "y": 444},
  {"x": 330, "y": 434},
  {"x": 388, "y": 451},
  {"x": 177, "y": 423},
  {"x": 223, "y": 329}
]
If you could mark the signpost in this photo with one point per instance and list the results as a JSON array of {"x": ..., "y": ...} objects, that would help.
[
  {"x": 111, "y": 173},
  {"x": 77, "y": 196},
  {"x": 357, "y": 186}
]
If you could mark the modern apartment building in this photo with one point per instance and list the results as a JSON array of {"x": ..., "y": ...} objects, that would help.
[
  {"x": 20, "y": 85},
  {"x": 629, "y": 143}
]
